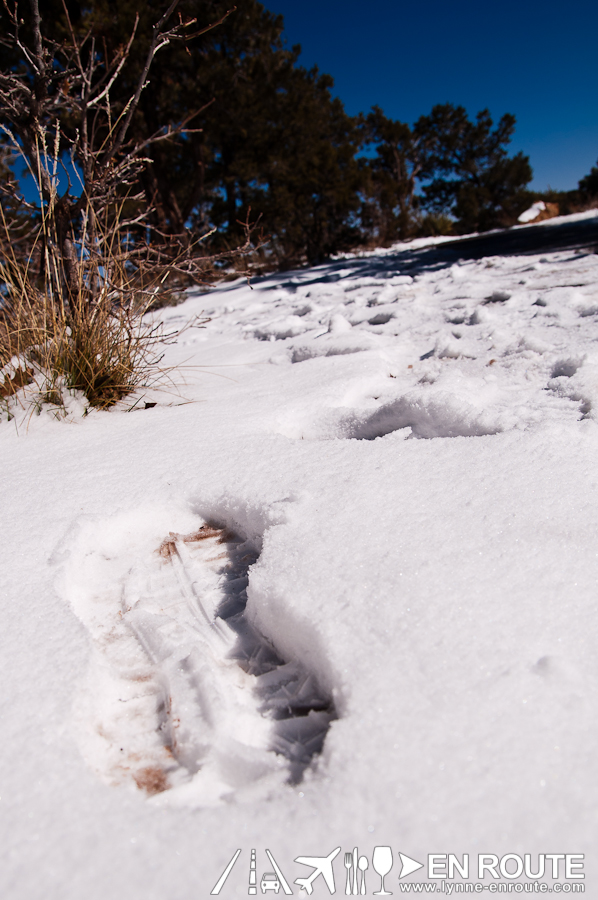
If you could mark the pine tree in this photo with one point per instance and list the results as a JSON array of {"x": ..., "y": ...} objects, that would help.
[
  {"x": 393, "y": 181},
  {"x": 266, "y": 133},
  {"x": 467, "y": 168},
  {"x": 588, "y": 186},
  {"x": 313, "y": 176}
]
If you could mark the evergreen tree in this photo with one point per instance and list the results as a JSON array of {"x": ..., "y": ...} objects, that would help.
[
  {"x": 467, "y": 168},
  {"x": 588, "y": 186},
  {"x": 313, "y": 176},
  {"x": 267, "y": 134},
  {"x": 393, "y": 172}
]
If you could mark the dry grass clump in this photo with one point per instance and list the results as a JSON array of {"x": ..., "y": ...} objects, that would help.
[{"x": 85, "y": 334}]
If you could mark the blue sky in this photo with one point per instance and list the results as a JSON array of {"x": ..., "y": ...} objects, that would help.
[{"x": 537, "y": 60}]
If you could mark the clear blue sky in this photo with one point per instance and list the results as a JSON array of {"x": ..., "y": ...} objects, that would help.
[{"x": 537, "y": 60}]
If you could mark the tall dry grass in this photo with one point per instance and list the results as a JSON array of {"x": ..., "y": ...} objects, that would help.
[{"x": 82, "y": 330}]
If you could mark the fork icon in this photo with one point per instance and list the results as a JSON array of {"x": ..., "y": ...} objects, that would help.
[{"x": 348, "y": 867}]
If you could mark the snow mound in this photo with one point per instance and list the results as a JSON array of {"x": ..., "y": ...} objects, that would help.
[{"x": 532, "y": 213}]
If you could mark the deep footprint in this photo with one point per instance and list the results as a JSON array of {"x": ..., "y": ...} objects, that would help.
[
  {"x": 437, "y": 415},
  {"x": 187, "y": 698}
]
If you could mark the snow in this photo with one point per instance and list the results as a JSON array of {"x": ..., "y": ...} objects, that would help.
[
  {"x": 561, "y": 220},
  {"x": 533, "y": 212},
  {"x": 368, "y": 494}
]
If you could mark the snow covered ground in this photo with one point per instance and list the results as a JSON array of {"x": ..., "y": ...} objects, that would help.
[{"x": 337, "y": 588}]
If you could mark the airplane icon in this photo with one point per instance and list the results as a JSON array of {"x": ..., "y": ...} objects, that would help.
[{"x": 322, "y": 865}]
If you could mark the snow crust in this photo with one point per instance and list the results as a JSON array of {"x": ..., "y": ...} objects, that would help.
[{"x": 405, "y": 450}]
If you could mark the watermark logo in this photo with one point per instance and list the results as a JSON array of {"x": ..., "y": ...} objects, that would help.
[{"x": 446, "y": 873}]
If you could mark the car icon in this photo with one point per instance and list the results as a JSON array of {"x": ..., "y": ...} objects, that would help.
[{"x": 269, "y": 882}]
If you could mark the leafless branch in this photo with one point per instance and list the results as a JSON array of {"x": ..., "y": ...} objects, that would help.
[{"x": 72, "y": 82}]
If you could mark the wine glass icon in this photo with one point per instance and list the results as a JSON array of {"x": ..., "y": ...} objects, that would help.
[{"x": 382, "y": 863}]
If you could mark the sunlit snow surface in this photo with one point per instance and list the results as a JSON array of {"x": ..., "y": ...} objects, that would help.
[{"x": 395, "y": 463}]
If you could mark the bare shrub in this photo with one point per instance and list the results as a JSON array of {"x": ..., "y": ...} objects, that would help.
[{"x": 78, "y": 279}]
